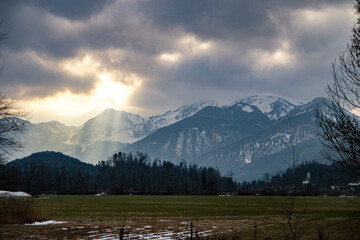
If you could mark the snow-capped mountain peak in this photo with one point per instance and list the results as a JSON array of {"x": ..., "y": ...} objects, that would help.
[{"x": 273, "y": 106}]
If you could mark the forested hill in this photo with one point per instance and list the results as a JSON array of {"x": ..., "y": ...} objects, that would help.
[
  {"x": 53, "y": 160},
  {"x": 52, "y": 172}
]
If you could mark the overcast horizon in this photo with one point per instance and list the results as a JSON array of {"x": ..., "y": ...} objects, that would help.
[{"x": 68, "y": 61}]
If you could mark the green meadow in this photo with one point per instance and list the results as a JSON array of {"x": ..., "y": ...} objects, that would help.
[{"x": 190, "y": 207}]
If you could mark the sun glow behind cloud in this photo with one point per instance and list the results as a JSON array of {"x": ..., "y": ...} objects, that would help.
[
  {"x": 111, "y": 93},
  {"x": 267, "y": 60},
  {"x": 68, "y": 106},
  {"x": 170, "y": 57},
  {"x": 111, "y": 90},
  {"x": 187, "y": 47}
]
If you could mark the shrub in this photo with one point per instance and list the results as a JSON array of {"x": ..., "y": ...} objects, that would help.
[{"x": 19, "y": 210}]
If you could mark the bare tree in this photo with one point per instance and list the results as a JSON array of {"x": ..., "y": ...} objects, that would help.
[
  {"x": 296, "y": 223},
  {"x": 10, "y": 128},
  {"x": 10, "y": 124},
  {"x": 338, "y": 127}
]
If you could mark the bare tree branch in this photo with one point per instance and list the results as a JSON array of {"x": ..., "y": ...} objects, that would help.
[
  {"x": 338, "y": 127},
  {"x": 11, "y": 127},
  {"x": 11, "y": 124}
]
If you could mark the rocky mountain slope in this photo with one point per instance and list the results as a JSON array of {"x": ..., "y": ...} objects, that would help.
[
  {"x": 273, "y": 148},
  {"x": 210, "y": 128}
]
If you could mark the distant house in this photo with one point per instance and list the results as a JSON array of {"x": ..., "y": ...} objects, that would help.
[
  {"x": 354, "y": 184},
  {"x": 307, "y": 179}
]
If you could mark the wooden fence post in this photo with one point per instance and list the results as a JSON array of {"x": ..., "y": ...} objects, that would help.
[
  {"x": 196, "y": 234},
  {"x": 121, "y": 234},
  {"x": 255, "y": 229},
  {"x": 320, "y": 236},
  {"x": 191, "y": 231},
  {"x": 69, "y": 232}
]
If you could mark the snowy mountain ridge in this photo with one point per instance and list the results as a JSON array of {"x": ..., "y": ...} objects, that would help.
[
  {"x": 172, "y": 116},
  {"x": 273, "y": 106}
]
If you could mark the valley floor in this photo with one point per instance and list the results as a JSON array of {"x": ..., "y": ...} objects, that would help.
[{"x": 170, "y": 217}]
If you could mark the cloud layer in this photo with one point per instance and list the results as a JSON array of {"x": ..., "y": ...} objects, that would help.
[{"x": 165, "y": 53}]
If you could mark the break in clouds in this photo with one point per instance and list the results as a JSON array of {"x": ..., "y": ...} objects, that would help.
[{"x": 149, "y": 56}]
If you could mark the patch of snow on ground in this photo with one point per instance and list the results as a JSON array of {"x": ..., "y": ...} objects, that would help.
[
  {"x": 158, "y": 235},
  {"x": 44, "y": 223},
  {"x": 100, "y": 194},
  {"x": 13, "y": 194}
]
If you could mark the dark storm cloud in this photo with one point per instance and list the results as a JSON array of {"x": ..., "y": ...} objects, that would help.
[
  {"x": 130, "y": 36},
  {"x": 76, "y": 10},
  {"x": 238, "y": 20},
  {"x": 214, "y": 19},
  {"x": 248, "y": 25},
  {"x": 30, "y": 26}
]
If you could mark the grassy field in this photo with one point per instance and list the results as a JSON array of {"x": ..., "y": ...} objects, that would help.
[{"x": 94, "y": 217}]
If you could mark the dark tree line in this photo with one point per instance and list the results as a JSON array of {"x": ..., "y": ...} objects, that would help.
[
  {"x": 122, "y": 173},
  {"x": 323, "y": 178},
  {"x": 136, "y": 173}
]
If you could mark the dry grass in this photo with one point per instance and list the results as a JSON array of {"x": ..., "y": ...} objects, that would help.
[
  {"x": 331, "y": 229},
  {"x": 19, "y": 210}
]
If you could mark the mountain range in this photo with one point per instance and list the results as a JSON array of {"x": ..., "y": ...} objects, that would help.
[
  {"x": 100, "y": 136},
  {"x": 245, "y": 139}
]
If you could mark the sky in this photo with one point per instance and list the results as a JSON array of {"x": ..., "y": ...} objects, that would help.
[{"x": 69, "y": 60}]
